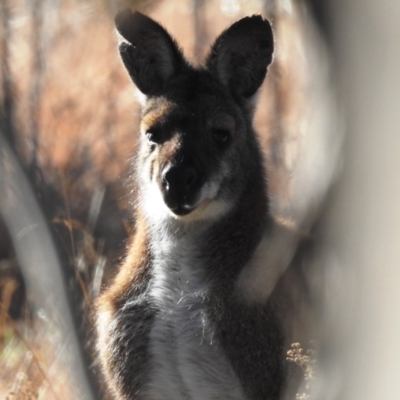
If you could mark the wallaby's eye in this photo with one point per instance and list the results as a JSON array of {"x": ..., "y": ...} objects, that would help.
[
  {"x": 221, "y": 136},
  {"x": 153, "y": 136}
]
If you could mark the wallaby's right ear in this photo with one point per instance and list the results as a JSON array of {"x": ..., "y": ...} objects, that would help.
[{"x": 149, "y": 53}]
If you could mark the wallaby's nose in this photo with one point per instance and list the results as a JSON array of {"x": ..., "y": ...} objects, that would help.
[
  {"x": 180, "y": 183},
  {"x": 180, "y": 178}
]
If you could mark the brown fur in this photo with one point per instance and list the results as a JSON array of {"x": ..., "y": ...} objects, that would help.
[{"x": 132, "y": 273}]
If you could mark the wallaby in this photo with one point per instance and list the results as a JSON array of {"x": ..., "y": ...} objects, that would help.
[{"x": 190, "y": 315}]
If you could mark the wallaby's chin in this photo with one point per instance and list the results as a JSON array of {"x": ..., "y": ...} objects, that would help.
[
  {"x": 181, "y": 205},
  {"x": 206, "y": 207},
  {"x": 205, "y": 210},
  {"x": 182, "y": 211}
]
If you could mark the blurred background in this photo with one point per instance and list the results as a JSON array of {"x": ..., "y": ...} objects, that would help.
[{"x": 68, "y": 121}]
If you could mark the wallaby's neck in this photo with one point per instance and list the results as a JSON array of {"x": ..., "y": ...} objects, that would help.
[
  {"x": 233, "y": 240},
  {"x": 222, "y": 247}
]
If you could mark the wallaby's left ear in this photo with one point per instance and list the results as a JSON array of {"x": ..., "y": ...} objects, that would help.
[{"x": 241, "y": 55}]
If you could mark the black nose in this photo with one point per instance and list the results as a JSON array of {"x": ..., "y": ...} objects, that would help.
[
  {"x": 180, "y": 184},
  {"x": 180, "y": 177}
]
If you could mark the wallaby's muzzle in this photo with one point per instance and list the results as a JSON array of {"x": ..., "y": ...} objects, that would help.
[{"x": 181, "y": 186}]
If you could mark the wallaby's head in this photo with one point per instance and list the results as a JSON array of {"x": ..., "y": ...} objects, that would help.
[{"x": 198, "y": 151}]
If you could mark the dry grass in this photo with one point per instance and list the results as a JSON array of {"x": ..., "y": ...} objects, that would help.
[
  {"x": 76, "y": 116},
  {"x": 31, "y": 365},
  {"x": 305, "y": 359}
]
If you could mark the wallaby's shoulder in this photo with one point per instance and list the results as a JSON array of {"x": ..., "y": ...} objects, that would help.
[{"x": 124, "y": 316}]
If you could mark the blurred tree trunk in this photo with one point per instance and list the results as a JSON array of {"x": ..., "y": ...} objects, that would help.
[
  {"x": 200, "y": 28},
  {"x": 277, "y": 136},
  {"x": 7, "y": 105},
  {"x": 37, "y": 77},
  {"x": 42, "y": 269},
  {"x": 362, "y": 226}
]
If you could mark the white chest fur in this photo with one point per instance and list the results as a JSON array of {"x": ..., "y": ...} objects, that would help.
[{"x": 187, "y": 361}]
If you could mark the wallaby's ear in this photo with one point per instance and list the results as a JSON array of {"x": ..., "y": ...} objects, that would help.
[
  {"x": 240, "y": 56},
  {"x": 149, "y": 53}
]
